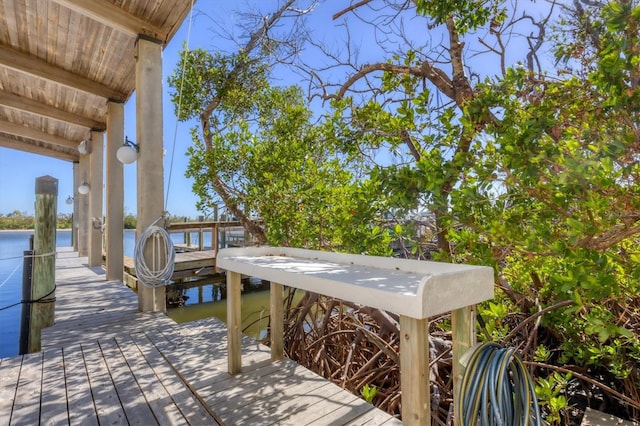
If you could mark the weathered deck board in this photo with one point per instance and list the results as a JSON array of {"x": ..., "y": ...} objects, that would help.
[
  {"x": 8, "y": 382},
  {"x": 105, "y": 396},
  {"x": 105, "y": 363},
  {"x": 133, "y": 403},
  {"x": 54, "y": 402},
  {"x": 78, "y": 389},
  {"x": 26, "y": 405}
]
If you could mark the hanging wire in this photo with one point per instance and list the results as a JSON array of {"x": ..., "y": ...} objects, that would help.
[
  {"x": 42, "y": 299},
  {"x": 175, "y": 132},
  {"x": 11, "y": 274}
]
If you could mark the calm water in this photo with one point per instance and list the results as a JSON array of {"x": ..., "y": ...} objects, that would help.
[
  {"x": 196, "y": 303},
  {"x": 12, "y": 247}
]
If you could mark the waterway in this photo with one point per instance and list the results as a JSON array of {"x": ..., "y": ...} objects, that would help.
[{"x": 196, "y": 302}]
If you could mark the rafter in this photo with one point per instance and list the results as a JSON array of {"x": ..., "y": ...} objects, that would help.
[
  {"x": 34, "y": 107},
  {"x": 114, "y": 17},
  {"x": 36, "y": 67},
  {"x": 16, "y": 129},
  {"x": 32, "y": 148}
]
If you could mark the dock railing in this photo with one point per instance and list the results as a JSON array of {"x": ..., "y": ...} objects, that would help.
[
  {"x": 218, "y": 229},
  {"x": 415, "y": 290}
]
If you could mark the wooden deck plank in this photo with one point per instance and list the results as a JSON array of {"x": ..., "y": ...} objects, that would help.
[
  {"x": 191, "y": 367},
  {"x": 341, "y": 408},
  {"x": 54, "y": 396},
  {"x": 82, "y": 411},
  {"x": 105, "y": 396},
  {"x": 375, "y": 417},
  {"x": 160, "y": 402},
  {"x": 26, "y": 406},
  {"x": 242, "y": 399},
  {"x": 135, "y": 407},
  {"x": 298, "y": 397},
  {"x": 188, "y": 404},
  {"x": 106, "y": 363},
  {"x": 10, "y": 368}
]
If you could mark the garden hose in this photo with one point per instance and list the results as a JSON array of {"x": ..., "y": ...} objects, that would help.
[
  {"x": 160, "y": 272},
  {"x": 496, "y": 389}
]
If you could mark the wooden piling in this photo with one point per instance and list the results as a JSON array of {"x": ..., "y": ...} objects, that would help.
[
  {"x": 44, "y": 265},
  {"x": 25, "y": 314}
]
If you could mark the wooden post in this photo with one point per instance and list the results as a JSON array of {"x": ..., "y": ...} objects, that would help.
[
  {"x": 76, "y": 204},
  {"x": 115, "y": 193},
  {"x": 201, "y": 239},
  {"x": 463, "y": 336},
  {"x": 82, "y": 203},
  {"x": 96, "y": 160},
  {"x": 277, "y": 321},
  {"x": 214, "y": 238},
  {"x": 150, "y": 171},
  {"x": 25, "y": 314},
  {"x": 234, "y": 323},
  {"x": 414, "y": 371},
  {"x": 44, "y": 262}
]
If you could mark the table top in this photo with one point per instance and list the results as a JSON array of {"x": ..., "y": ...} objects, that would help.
[{"x": 417, "y": 289}]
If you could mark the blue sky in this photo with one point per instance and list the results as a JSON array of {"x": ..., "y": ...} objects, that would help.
[{"x": 19, "y": 170}]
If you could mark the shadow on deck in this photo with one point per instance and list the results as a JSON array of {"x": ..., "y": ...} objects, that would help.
[{"x": 103, "y": 362}]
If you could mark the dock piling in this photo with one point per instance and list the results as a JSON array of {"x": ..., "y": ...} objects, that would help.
[{"x": 42, "y": 299}]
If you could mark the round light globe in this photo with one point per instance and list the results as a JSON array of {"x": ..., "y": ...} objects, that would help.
[
  {"x": 127, "y": 154},
  {"x": 69, "y": 200},
  {"x": 83, "y": 148},
  {"x": 83, "y": 189}
]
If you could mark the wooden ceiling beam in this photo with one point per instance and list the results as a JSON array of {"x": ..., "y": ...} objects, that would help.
[
  {"x": 29, "y": 133},
  {"x": 38, "y": 68},
  {"x": 114, "y": 17},
  {"x": 31, "y": 148},
  {"x": 32, "y": 106}
]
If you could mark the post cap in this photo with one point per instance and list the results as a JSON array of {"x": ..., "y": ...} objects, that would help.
[{"x": 47, "y": 185}]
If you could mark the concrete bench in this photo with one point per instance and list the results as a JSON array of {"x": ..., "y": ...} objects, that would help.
[{"x": 415, "y": 290}]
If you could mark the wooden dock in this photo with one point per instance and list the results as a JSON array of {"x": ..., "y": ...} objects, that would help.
[
  {"x": 105, "y": 363},
  {"x": 188, "y": 264}
]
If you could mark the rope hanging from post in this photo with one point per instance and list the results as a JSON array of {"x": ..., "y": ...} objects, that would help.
[{"x": 156, "y": 275}]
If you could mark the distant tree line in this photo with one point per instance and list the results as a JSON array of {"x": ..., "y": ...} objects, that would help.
[{"x": 21, "y": 220}]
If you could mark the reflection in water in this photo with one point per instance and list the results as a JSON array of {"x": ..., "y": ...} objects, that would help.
[{"x": 196, "y": 300}]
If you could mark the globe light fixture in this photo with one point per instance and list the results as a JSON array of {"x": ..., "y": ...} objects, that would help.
[
  {"x": 69, "y": 200},
  {"x": 83, "y": 148},
  {"x": 84, "y": 188},
  {"x": 127, "y": 153}
]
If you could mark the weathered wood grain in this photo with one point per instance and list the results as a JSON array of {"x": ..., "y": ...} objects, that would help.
[{"x": 117, "y": 366}]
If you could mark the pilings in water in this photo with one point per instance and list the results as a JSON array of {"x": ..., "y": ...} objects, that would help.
[{"x": 41, "y": 295}]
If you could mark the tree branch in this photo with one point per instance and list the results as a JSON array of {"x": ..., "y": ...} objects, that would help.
[{"x": 436, "y": 76}]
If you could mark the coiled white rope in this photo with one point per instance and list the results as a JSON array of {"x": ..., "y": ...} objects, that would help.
[{"x": 157, "y": 275}]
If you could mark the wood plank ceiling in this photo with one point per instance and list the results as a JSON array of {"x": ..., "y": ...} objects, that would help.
[{"x": 62, "y": 60}]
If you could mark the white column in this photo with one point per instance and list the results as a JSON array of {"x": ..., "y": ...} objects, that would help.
[
  {"x": 74, "y": 224},
  {"x": 82, "y": 202},
  {"x": 150, "y": 168},
  {"x": 115, "y": 193},
  {"x": 96, "y": 194}
]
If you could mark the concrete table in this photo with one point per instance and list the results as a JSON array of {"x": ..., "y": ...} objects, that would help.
[{"x": 415, "y": 290}]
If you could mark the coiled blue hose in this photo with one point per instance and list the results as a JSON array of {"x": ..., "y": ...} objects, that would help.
[{"x": 496, "y": 389}]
